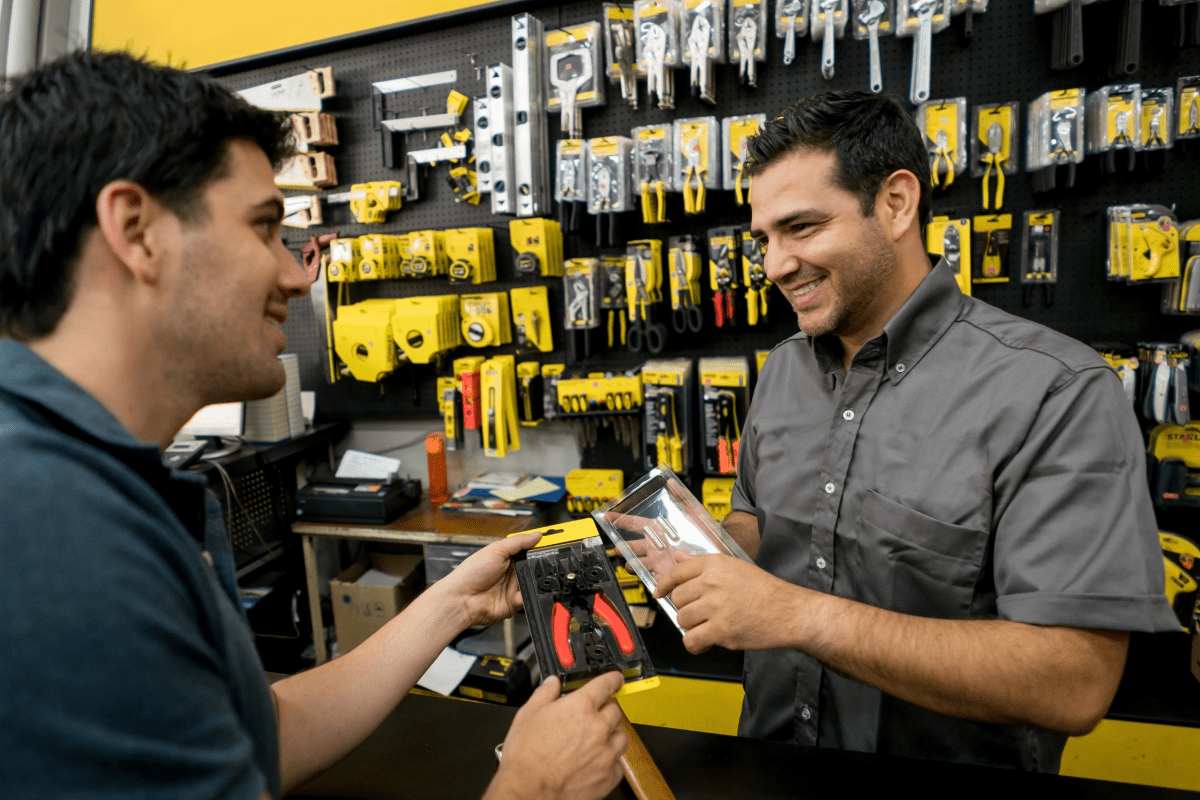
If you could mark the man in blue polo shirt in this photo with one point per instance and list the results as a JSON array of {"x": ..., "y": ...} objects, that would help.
[{"x": 142, "y": 277}]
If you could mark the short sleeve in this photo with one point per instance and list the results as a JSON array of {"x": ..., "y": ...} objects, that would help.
[
  {"x": 113, "y": 686},
  {"x": 1076, "y": 538}
]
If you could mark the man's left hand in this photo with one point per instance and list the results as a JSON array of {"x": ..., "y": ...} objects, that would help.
[
  {"x": 729, "y": 602},
  {"x": 486, "y": 583}
]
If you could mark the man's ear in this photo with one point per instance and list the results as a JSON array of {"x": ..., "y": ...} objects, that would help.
[
  {"x": 897, "y": 204},
  {"x": 125, "y": 214}
]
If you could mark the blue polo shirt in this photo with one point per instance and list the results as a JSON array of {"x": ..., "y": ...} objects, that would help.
[{"x": 127, "y": 666}]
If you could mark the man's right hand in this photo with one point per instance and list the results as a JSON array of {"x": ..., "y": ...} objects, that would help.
[{"x": 563, "y": 748}]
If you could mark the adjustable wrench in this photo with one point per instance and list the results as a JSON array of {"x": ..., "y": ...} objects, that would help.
[
  {"x": 870, "y": 18},
  {"x": 829, "y": 9},
  {"x": 789, "y": 41},
  {"x": 918, "y": 90}
]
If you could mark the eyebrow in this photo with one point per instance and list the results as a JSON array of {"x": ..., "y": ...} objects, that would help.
[
  {"x": 783, "y": 222},
  {"x": 272, "y": 204}
]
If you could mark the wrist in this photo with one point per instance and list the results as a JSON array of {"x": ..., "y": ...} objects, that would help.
[{"x": 447, "y": 604}]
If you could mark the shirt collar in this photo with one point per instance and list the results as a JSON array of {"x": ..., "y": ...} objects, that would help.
[
  {"x": 25, "y": 374},
  {"x": 911, "y": 331}
]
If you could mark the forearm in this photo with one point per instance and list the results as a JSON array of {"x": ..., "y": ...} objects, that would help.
[
  {"x": 743, "y": 527},
  {"x": 326, "y": 712},
  {"x": 1058, "y": 678}
]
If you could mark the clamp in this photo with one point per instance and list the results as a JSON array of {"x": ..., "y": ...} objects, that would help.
[
  {"x": 569, "y": 71},
  {"x": 697, "y": 45},
  {"x": 654, "y": 45},
  {"x": 747, "y": 37}
]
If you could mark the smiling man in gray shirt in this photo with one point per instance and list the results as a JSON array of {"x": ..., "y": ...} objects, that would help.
[{"x": 947, "y": 504}]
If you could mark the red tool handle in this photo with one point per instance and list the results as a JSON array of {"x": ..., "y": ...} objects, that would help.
[
  {"x": 720, "y": 310},
  {"x": 729, "y": 306},
  {"x": 560, "y": 622},
  {"x": 604, "y": 609}
]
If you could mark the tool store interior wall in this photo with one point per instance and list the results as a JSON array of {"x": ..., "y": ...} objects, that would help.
[{"x": 1007, "y": 58}]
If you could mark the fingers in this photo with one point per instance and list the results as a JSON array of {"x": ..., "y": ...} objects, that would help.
[
  {"x": 509, "y": 546},
  {"x": 682, "y": 572},
  {"x": 544, "y": 695},
  {"x": 599, "y": 690},
  {"x": 696, "y": 640}
]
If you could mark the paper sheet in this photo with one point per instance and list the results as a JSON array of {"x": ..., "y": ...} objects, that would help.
[
  {"x": 530, "y": 488},
  {"x": 357, "y": 464},
  {"x": 447, "y": 672}
]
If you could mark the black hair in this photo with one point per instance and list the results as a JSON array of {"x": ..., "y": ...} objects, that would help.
[
  {"x": 83, "y": 121},
  {"x": 871, "y": 136}
]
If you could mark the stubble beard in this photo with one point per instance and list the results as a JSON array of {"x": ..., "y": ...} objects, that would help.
[{"x": 861, "y": 279}]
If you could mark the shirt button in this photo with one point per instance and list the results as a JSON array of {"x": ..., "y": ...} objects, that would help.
[
  {"x": 805, "y": 714},
  {"x": 820, "y": 563},
  {"x": 829, "y": 487},
  {"x": 847, "y": 415},
  {"x": 900, "y": 367}
]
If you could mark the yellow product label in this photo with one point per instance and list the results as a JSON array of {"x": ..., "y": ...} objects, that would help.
[
  {"x": 723, "y": 378},
  {"x": 992, "y": 116},
  {"x": 943, "y": 118},
  {"x": 760, "y": 356},
  {"x": 572, "y": 147},
  {"x": 663, "y": 378},
  {"x": 606, "y": 146},
  {"x": 1046, "y": 218}
]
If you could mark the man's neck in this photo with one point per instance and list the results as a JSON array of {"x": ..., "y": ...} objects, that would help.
[{"x": 913, "y": 268}]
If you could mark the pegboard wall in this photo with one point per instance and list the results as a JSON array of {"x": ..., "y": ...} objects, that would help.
[{"x": 1007, "y": 59}]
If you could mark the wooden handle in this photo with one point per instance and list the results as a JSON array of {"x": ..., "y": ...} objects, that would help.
[{"x": 641, "y": 773}]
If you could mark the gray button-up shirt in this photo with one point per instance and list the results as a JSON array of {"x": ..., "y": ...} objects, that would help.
[{"x": 971, "y": 464}]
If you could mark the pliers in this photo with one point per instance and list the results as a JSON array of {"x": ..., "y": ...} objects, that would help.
[
  {"x": 686, "y": 315},
  {"x": 575, "y": 586},
  {"x": 942, "y": 152},
  {"x": 995, "y": 145},
  {"x": 723, "y": 297},
  {"x": 693, "y": 203},
  {"x": 667, "y": 445}
]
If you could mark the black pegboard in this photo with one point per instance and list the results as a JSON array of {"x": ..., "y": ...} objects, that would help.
[{"x": 1007, "y": 59}]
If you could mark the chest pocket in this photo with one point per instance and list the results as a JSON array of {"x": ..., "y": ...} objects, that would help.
[{"x": 908, "y": 562}]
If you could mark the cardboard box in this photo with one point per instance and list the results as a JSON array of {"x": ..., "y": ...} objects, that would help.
[{"x": 360, "y": 610}]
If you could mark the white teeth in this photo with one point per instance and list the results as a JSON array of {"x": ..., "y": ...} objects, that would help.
[{"x": 808, "y": 288}]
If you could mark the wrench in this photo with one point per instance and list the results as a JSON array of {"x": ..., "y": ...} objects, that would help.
[
  {"x": 829, "y": 9},
  {"x": 870, "y": 18},
  {"x": 918, "y": 90},
  {"x": 789, "y": 41}
]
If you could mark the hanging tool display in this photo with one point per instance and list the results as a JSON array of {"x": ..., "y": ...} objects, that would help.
[
  {"x": 613, "y": 298},
  {"x": 791, "y": 21},
  {"x": 697, "y": 143},
  {"x": 578, "y": 617},
  {"x": 471, "y": 253},
  {"x": 921, "y": 19},
  {"x": 1156, "y": 132},
  {"x": 668, "y": 388},
  {"x": 993, "y": 155},
  {"x": 1143, "y": 243},
  {"x": 485, "y": 319},
  {"x": 619, "y": 44},
  {"x": 537, "y": 247},
  {"x": 990, "y": 244},
  {"x": 531, "y": 317},
  {"x": 467, "y": 369},
  {"x": 871, "y": 19},
  {"x": 1187, "y": 109},
  {"x": 686, "y": 260},
  {"x": 601, "y": 399},
  {"x": 588, "y": 489},
  {"x": 530, "y": 394},
  {"x": 1056, "y": 138},
  {"x": 426, "y": 328},
  {"x": 1162, "y": 378},
  {"x": 380, "y": 256},
  {"x": 724, "y": 252},
  {"x": 828, "y": 24},
  {"x": 659, "y": 49},
  {"x": 704, "y": 38},
  {"x": 748, "y": 38},
  {"x": 725, "y": 399},
  {"x": 531, "y": 135},
  {"x": 570, "y": 186},
  {"x": 1113, "y": 121},
  {"x": 1039, "y": 255},
  {"x": 501, "y": 427},
  {"x": 654, "y": 168},
  {"x": 943, "y": 126},
  {"x": 643, "y": 289},
  {"x": 583, "y": 287},
  {"x": 736, "y": 133},
  {"x": 754, "y": 278},
  {"x": 609, "y": 187},
  {"x": 951, "y": 239},
  {"x": 314, "y": 129},
  {"x": 575, "y": 74}
]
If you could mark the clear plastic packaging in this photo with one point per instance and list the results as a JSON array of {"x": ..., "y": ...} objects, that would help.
[{"x": 656, "y": 518}]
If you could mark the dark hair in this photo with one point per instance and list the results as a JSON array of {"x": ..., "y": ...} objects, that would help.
[
  {"x": 83, "y": 121},
  {"x": 871, "y": 135}
]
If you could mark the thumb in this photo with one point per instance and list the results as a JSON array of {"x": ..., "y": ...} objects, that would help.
[
  {"x": 510, "y": 545},
  {"x": 545, "y": 694}
]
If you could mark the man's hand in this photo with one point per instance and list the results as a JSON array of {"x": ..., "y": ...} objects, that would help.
[
  {"x": 729, "y": 602},
  {"x": 566, "y": 748},
  {"x": 486, "y": 583}
]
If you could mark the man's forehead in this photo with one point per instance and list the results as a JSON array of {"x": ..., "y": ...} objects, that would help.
[{"x": 248, "y": 178}]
